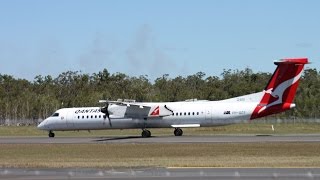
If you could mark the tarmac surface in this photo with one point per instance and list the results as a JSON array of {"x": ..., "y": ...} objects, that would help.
[
  {"x": 162, "y": 139},
  {"x": 162, "y": 173}
]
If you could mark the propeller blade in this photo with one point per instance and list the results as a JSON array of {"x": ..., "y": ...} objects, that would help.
[
  {"x": 109, "y": 121},
  {"x": 106, "y": 112}
]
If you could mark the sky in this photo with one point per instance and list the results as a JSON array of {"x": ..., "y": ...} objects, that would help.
[{"x": 143, "y": 37}]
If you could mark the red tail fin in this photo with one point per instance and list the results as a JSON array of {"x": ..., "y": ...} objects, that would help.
[{"x": 281, "y": 89}]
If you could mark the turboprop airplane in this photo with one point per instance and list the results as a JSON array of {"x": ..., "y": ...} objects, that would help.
[{"x": 128, "y": 114}]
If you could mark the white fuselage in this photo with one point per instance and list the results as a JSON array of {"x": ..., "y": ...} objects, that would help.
[{"x": 184, "y": 114}]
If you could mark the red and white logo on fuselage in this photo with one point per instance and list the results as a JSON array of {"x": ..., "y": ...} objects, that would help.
[{"x": 156, "y": 111}]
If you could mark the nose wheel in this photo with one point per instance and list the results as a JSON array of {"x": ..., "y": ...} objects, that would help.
[
  {"x": 51, "y": 134},
  {"x": 178, "y": 132},
  {"x": 145, "y": 133}
]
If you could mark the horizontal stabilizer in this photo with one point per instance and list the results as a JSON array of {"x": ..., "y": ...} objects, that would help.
[{"x": 292, "y": 61}]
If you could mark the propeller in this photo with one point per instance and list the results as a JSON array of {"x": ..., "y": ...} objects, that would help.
[{"x": 106, "y": 112}]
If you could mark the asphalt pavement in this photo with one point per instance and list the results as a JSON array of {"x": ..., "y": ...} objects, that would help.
[
  {"x": 162, "y": 173},
  {"x": 162, "y": 139}
]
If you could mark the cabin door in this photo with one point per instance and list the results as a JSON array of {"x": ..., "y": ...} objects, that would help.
[
  {"x": 208, "y": 114},
  {"x": 69, "y": 119}
]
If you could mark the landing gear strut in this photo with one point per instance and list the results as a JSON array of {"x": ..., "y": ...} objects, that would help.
[
  {"x": 178, "y": 132},
  {"x": 145, "y": 133},
  {"x": 51, "y": 134}
]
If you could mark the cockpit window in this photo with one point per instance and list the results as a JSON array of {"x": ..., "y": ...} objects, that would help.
[{"x": 55, "y": 115}]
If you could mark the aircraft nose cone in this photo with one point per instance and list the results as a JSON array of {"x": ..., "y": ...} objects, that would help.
[{"x": 42, "y": 125}]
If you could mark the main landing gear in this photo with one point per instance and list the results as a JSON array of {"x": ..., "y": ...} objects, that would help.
[
  {"x": 51, "y": 134},
  {"x": 178, "y": 132},
  {"x": 145, "y": 133}
]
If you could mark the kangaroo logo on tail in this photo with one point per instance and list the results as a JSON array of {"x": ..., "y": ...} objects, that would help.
[{"x": 281, "y": 89}]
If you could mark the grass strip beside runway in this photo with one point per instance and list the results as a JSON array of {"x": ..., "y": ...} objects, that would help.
[{"x": 160, "y": 155}]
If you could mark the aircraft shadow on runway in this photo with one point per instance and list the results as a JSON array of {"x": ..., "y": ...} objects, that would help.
[{"x": 105, "y": 139}]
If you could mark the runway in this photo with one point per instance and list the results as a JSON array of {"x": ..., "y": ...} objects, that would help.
[
  {"x": 162, "y": 139},
  {"x": 162, "y": 173},
  {"x": 170, "y": 173}
]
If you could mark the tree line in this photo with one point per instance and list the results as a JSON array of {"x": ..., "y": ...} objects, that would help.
[{"x": 22, "y": 99}]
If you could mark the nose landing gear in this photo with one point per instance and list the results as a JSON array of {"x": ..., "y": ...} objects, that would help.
[{"x": 51, "y": 134}]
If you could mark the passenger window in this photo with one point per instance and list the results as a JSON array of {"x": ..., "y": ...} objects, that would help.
[
  {"x": 87, "y": 117},
  {"x": 177, "y": 114},
  {"x": 91, "y": 116},
  {"x": 82, "y": 117},
  {"x": 197, "y": 113},
  {"x": 180, "y": 114},
  {"x": 95, "y": 116},
  {"x": 99, "y": 116},
  {"x": 189, "y": 113},
  {"x": 78, "y": 117},
  {"x": 193, "y": 113},
  {"x": 185, "y": 113}
]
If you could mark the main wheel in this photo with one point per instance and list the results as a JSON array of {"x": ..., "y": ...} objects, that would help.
[
  {"x": 178, "y": 132},
  {"x": 145, "y": 133},
  {"x": 51, "y": 134},
  {"x": 149, "y": 133}
]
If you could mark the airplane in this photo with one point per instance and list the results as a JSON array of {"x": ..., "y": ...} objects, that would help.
[{"x": 277, "y": 97}]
